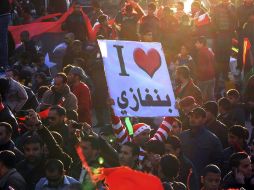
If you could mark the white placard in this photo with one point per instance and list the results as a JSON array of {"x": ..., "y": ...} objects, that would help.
[{"x": 138, "y": 78}]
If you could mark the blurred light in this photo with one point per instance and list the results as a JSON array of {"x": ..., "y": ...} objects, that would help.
[{"x": 101, "y": 160}]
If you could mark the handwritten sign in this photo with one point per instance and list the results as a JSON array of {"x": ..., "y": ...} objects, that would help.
[{"x": 138, "y": 78}]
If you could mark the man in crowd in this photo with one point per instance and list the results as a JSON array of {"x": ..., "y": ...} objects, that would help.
[
  {"x": 82, "y": 92},
  {"x": 200, "y": 145},
  {"x": 211, "y": 177},
  {"x": 9, "y": 177},
  {"x": 59, "y": 94}
]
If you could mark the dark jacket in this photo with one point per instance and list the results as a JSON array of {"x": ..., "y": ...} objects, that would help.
[
  {"x": 32, "y": 174},
  {"x": 65, "y": 98},
  {"x": 11, "y": 146},
  {"x": 202, "y": 148},
  {"x": 150, "y": 24},
  {"x": 230, "y": 182},
  {"x": 186, "y": 167},
  {"x": 189, "y": 90},
  {"x": 32, "y": 102},
  {"x": 5, "y": 7},
  {"x": 220, "y": 130},
  {"x": 7, "y": 116},
  {"x": 238, "y": 114},
  {"x": 12, "y": 179},
  {"x": 55, "y": 151}
]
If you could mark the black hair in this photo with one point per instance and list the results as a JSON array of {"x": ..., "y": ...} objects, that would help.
[
  {"x": 211, "y": 168},
  {"x": 239, "y": 131},
  {"x": 212, "y": 107},
  {"x": 8, "y": 158},
  {"x": 170, "y": 166},
  {"x": 7, "y": 126},
  {"x": 53, "y": 165},
  {"x": 135, "y": 149},
  {"x": 63, "y": 76},
  {"x": 152, "y": 6},
  {"x": 67, "y": 69},
  {"x": 174, "y": 141},
  {"x": 155, "y": 146},
  {"x": 93, "y": 140},
  {"x": 59, "y": 109},
  {"x": 102, "y": 18},
  {"x": 184, "y": 71},
  {"x": 35, "y": 139},
  {"x": 224, "y": 103},
  {"x": 236, "y": 158},
  {"x": 233, "y": 92},
  {"x": 202, "y": 40}
]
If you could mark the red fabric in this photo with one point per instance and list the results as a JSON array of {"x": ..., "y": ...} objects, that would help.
[
  {"x": 246, "y": 48},
  {"x": 36, "y": 29},
  {"x": 82, "y": 93},
  {"x": 1, "y": 106},
  {"x": 43, "y": 115},
  {"x": 47, "y": 17},
  {"x": 205, "y": 65},
  {"x": 202, "y": 20},
  {"x": 124, "y": 178}
]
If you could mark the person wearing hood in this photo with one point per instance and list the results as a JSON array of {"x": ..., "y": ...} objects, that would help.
[
  {"x": 59, "y": 94},
  {"x": 82, "y": 92}
]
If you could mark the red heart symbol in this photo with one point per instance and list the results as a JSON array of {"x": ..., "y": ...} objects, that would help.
[{"x": 149, "y": 62}]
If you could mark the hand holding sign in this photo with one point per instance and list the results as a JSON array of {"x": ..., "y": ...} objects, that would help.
[{"x": 138, "y": 78}]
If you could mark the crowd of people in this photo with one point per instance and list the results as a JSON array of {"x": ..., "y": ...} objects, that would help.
[{"x": 47, "y": 112}]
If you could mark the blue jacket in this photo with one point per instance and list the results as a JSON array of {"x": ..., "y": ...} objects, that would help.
[{"x": 202, "y": 148}]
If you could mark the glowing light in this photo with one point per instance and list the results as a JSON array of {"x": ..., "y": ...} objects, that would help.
[{"x": 101, "y": 160}]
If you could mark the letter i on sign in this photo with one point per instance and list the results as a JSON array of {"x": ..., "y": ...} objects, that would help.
[{"x": 121, "y": 61}]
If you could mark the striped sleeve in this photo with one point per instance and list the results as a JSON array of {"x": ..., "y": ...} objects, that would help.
[
  {"x": 120, "y": 130},
  {"x": 164, "y": 129}
]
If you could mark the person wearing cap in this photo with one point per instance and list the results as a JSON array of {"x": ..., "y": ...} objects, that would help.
[
  {"x": 141, "y": 132},
  {"x": 214, "y": 125},
  {"x": 59, "y": 94},
  {"x": 82, "y": 92},
  {"x": 200, "y": 145}
]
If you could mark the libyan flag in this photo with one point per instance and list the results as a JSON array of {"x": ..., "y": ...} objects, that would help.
[{"x": 39, "y": 28}]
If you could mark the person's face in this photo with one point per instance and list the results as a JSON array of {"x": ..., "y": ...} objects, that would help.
[
  {"x": 88, "y": 150},
  {"x": 71, "y": 78},
  {"x": 54, "y": 119},
  {"x": 232, "y": 99},
  {"x": 196, "y": 120},
  {"x": 179, "y": 7},
  {"x": 245, "y": 167},
  {"x": 142, "y": 138},
  {"x": 125, "y": 156},
  {"x": 33, "y": 152},
  {"x": 184, "y": 50},
  {"x": 198, "y": 45},
  {"x": 194, "y": 9},
  {"x": 150, "y": 11},
  {"x": 4, "y": 137},
  {"x": 176, "y": 129},
  {"x": 170, "y": 150},
  {"x": 76, "y": 8},
  {"x": 187, "y": 109},
  {"x": 58, "y": 83},
  {"x": 233, "y": 140},
  {"x": 212, "y": 181},
  {"x": 54, "y": 178}
]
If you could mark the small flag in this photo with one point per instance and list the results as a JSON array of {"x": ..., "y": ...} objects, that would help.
[
  {"x": 48, "y": 62},
  {"x": 202, "y": 20},
  {"x": 246, "y": 48}
]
